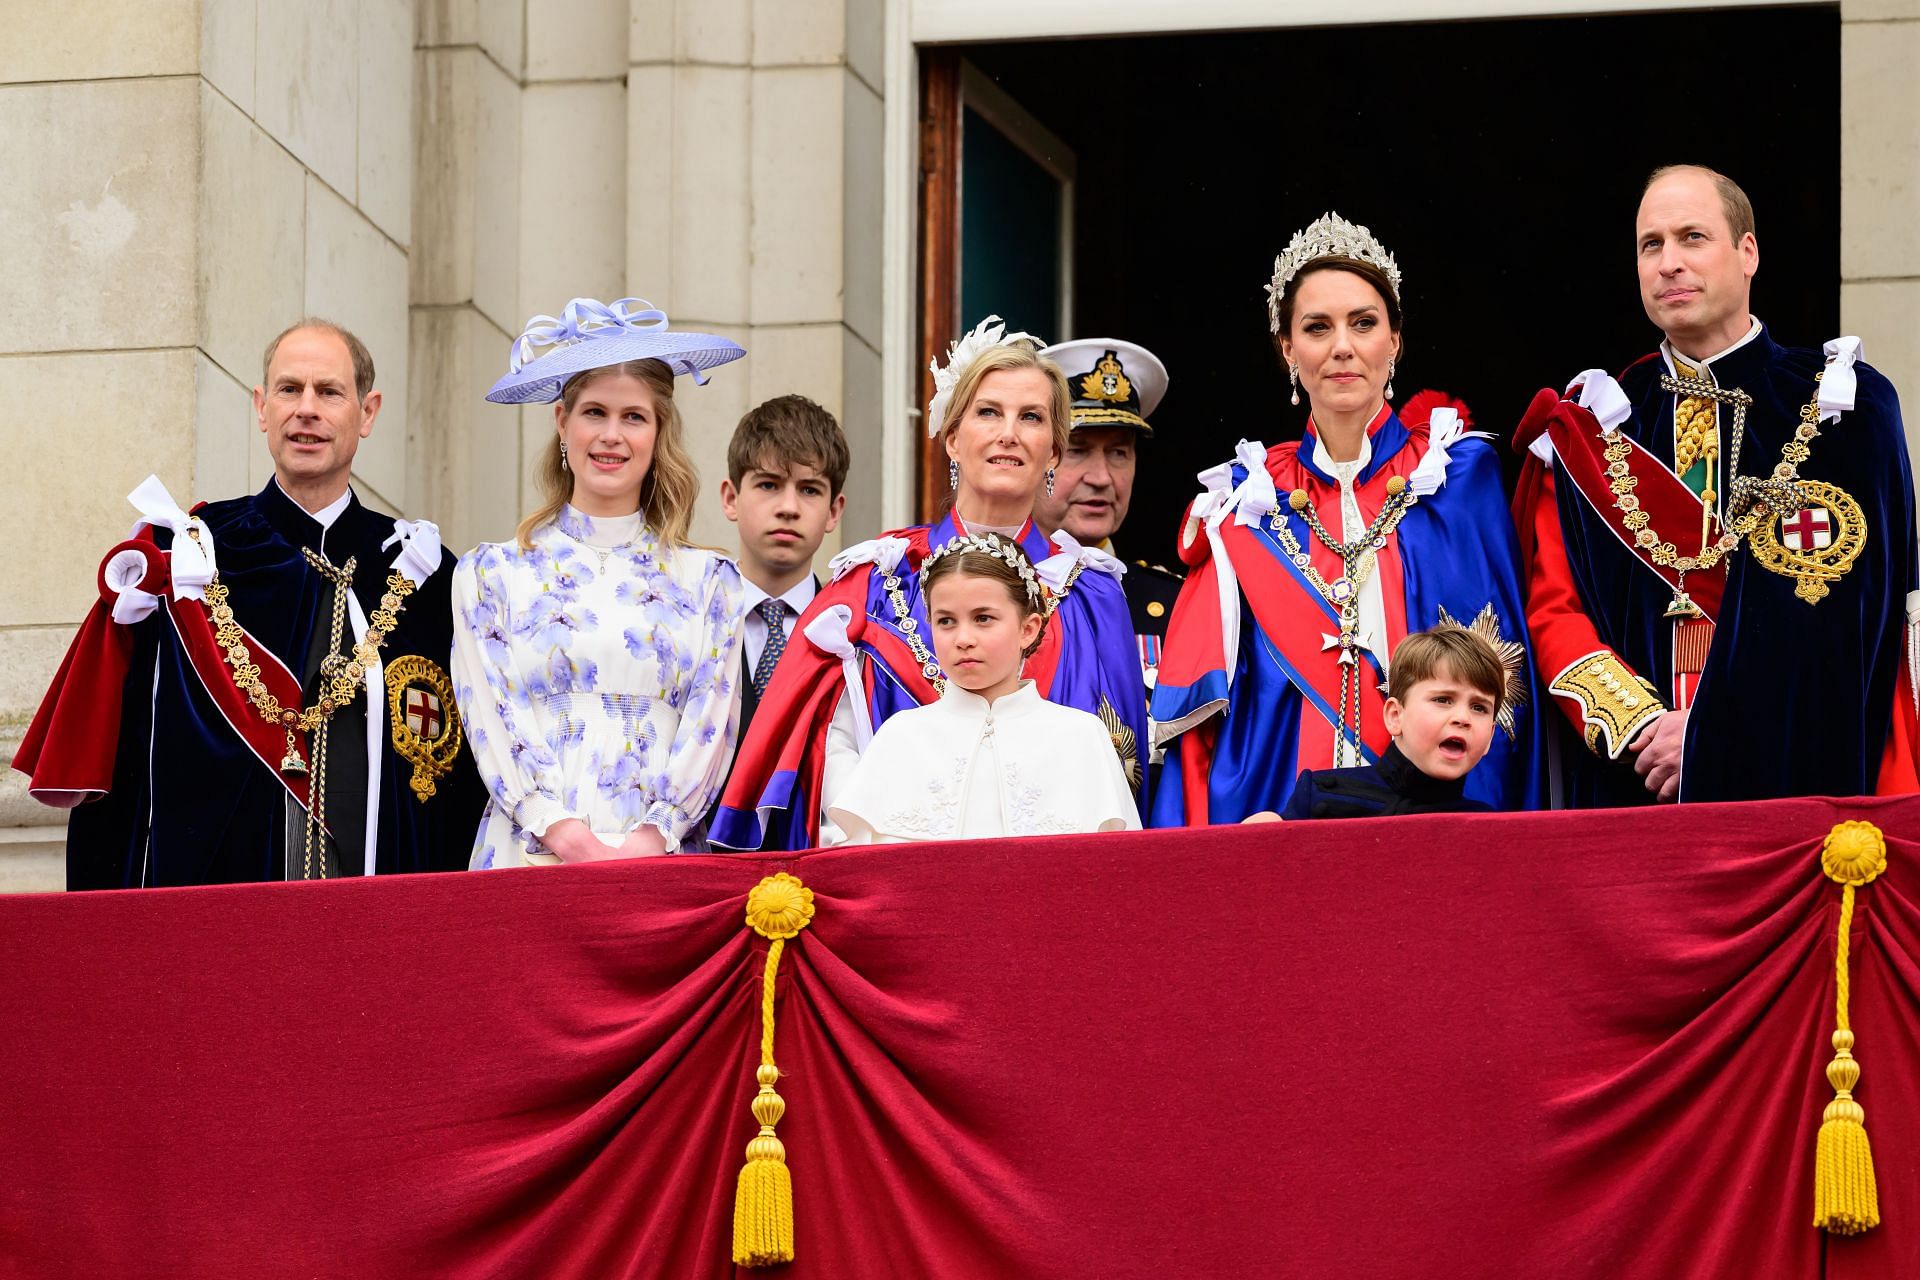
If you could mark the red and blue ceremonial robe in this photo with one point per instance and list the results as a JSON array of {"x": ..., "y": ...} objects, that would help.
[
  {"x": 1785, "y": 695},
  {"x": 854, "y": 631},
  {"x": 1249, "y": 690}
]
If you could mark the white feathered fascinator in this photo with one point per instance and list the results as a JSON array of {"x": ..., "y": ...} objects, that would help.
[{"x": 989, "y": 333}]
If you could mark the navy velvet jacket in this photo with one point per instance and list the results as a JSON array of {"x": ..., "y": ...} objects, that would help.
[
  {"x": 1795, "y": 698},
  {"x": 1390, "y": 786},
  {"x": 190, "y": 803}
]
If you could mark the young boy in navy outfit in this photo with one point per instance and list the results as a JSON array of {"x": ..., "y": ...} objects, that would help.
[
  {"x": 786, "y": 466},
  {"x": 1444, "y": 692}
]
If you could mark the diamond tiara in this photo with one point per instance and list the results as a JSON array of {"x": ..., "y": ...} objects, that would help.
[{"x": 1332, "y": 236}]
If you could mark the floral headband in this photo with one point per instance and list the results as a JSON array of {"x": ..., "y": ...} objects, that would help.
[{"x": 1000, "y": 549}]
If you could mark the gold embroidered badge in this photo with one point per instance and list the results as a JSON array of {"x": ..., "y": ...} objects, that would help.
[
  {"x": 1124, "y": 744},
  {"x": 1614, "y": 702},
  {"x": 425, "y": 722},
  {"x": 1815, "y": 544}
]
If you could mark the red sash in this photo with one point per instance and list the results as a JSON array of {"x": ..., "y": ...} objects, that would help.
[
  {"x": 69, "y": 749},
  {"x": 193, "y": 624},
  {"x": 1296, "y": 620},
  {"x": 1673, "y": 510}
]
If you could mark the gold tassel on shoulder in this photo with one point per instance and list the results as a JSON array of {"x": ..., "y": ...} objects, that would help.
[
  {"x": 778, "y": 908},
  {"x": 1845, "y": 1199}
]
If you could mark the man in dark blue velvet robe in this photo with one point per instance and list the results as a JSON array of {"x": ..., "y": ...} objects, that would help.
[
  {"x": 176, "y": 732},
  {"x": 1721, "y": 543}
]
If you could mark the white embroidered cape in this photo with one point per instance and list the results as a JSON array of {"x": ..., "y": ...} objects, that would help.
[{"x": 961, "y": 768}]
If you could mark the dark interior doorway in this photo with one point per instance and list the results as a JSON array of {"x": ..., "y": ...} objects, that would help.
[{"x": 1500, "y": 161}]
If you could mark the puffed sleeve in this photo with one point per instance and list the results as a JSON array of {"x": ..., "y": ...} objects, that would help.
[
  {"x": 509, "y": 744},
  {"x": 709, "y": 707}
]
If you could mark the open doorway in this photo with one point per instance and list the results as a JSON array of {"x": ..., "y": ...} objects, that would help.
[{"x": 1500, "y": 161}]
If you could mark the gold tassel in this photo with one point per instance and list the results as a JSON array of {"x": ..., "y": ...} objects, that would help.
[
  {"x": 1845, "y": 1198},
  {"x": 778, "y": 908}
]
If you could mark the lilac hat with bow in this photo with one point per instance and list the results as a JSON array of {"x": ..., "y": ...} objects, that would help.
[{"x": 592, "y": 335}]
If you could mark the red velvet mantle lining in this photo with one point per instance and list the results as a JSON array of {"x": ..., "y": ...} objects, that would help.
[{"x": 1579, "y": 1044}]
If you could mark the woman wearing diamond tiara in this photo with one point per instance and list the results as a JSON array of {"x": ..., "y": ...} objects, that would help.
[
  {"x": 990, "y": 757},
  {"x": 1001, "y": 412},
  {"x": 595, "y": 655},
  {"x": 1311, "y": 560}
]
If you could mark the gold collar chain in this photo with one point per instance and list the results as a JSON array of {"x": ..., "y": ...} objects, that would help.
[
  {"x": 1356, "y": 557},
  {"x": 1357, "y": 560},
  {"x": 343, "y": 678},
  {"x": 1750, "y": 499}
]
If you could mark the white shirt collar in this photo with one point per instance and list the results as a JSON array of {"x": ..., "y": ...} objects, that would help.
[
  {"x": 326, "y": 515},
  {"x": 331, "y": 512},
  {"x": 798, "y": 596},
  {"x": 1324, "y": 460},
  {"x": 1706, "y": 366},
  {"x": 974, "y": 707}
]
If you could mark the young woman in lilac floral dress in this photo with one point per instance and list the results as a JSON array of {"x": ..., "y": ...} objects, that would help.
[{"x": 596, "y": 655}]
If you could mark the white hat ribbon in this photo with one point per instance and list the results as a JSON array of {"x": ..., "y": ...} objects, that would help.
[{"x": 581, "y": 319}]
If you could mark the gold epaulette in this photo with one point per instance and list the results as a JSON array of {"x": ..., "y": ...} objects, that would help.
[{"x": 1615, "y": 702}]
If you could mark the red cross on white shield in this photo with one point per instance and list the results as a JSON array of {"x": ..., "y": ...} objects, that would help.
[
  {"x": 424, "y": 714},
  {"x": 1808, "y": 529}
]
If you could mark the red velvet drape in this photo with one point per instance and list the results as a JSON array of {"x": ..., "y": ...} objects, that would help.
[{"x": 1583, "y": 1044}]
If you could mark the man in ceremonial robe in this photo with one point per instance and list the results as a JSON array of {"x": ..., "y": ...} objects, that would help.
[
  {"x": 261, "y": 692},
  {"x": 1721, "y": 542},
  {"x": 1116, "y": 385}
]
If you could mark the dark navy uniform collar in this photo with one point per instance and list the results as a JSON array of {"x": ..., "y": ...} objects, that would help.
[
  {"x": 1408, "y": 781},
  {"x": 1726, "y": 368},
  {"x": 296, "y": 524}
]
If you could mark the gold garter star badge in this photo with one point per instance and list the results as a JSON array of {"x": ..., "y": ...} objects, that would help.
[
  {"x": 1512, "y": 658},
  {"x": 1816, "y": 544},
  {"x": 1125, "y": 745}
]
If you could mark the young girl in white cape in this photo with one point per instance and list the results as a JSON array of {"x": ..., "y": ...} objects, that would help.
[{"x": 991, "y": 757}]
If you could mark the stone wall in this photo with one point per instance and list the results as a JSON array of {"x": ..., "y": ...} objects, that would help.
[
  {"x": 184, "y": 178},
  {"x": 188, "y": 176},
  {"x": 1880, "y": 191}
]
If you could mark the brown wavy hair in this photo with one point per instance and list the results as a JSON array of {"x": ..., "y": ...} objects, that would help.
[
  {"x": 671, "y": 485},
  {"x": 1447, "y": 647}
]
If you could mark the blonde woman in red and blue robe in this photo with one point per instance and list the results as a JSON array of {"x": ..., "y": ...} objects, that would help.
[
  {"x": 1311, "y": 560},
  {"x": 862, "y": 651}
]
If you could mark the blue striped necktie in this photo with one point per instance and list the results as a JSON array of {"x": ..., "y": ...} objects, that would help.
[{"x": 774, "y": 613}]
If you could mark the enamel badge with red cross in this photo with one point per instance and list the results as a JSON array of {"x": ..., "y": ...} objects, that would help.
[
  {"x": 424, "y": 713},
  {"x": 1808, "y": 529}
]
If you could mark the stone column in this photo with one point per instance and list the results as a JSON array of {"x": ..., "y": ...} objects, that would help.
[
  {"x": 185, "y": 178},
  {"x": 1880, "y": 191},
  {"x": 521, "y": 195},
  {"x": 754, "y": 211}
]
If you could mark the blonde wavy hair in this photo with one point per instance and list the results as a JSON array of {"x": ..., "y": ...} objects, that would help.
[
  {"x": 666, "y": 495},
  {"x": 1011, "y": 355}
]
